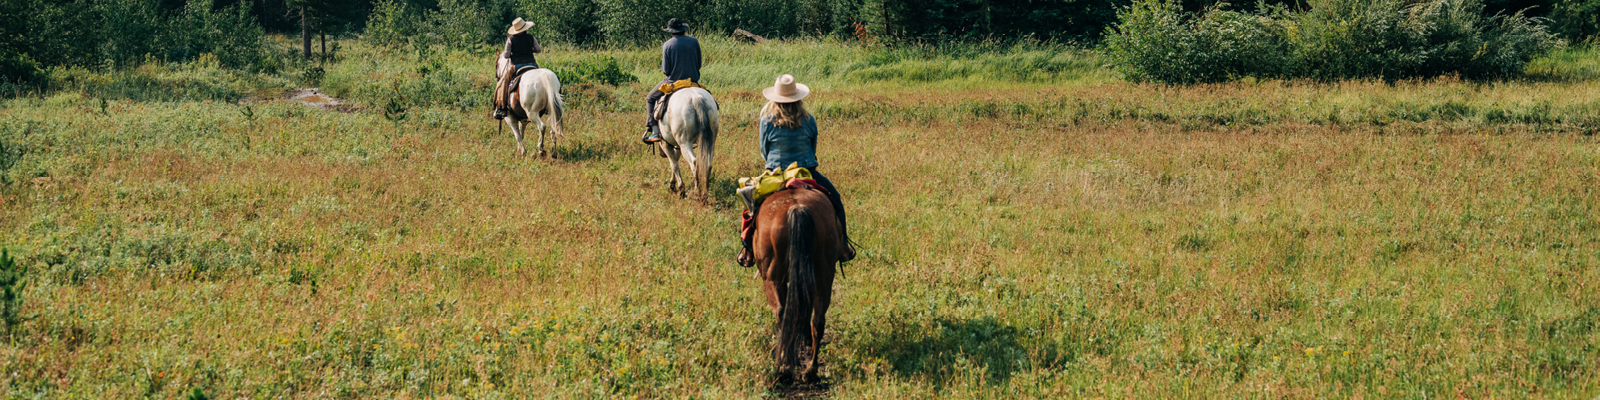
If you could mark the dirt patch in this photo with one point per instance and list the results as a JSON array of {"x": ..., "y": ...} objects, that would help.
[{"x": 315, "y": 98}]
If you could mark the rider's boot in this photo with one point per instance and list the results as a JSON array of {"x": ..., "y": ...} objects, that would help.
[
  {"x": 849, "y": 251},
  {"x": 651, "y": 135}
]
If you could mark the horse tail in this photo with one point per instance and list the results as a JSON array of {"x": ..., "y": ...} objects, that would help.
[
  {"x": 707, "y": 143},
  {"x": 795, "y": 333},
  {"x": 557, "y": 108}
]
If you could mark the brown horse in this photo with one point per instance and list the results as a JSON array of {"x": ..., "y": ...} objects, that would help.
[{"x": 797, "y": 244}]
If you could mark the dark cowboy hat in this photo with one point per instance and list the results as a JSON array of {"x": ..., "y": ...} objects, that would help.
[{"x": 675, "y": 26}]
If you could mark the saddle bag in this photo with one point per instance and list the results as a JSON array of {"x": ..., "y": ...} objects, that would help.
[
  {"x": 754, "y": 189},
  {"x": 666, "y": 93}
]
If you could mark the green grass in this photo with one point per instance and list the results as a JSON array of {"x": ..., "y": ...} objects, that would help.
[{"x": 1021, "y": 235}]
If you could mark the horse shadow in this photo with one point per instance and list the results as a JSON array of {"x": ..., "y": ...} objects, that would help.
[
  {"x": 942, "y": 348},
  {"x": 722, "y": 195},
  {"x": 579, "y": 150}
]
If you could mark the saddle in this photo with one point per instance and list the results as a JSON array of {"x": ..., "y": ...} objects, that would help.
[
  {"x": 509, "y": 101},
  {"x": 666, "y": 93},
  {"x": 754, "y": 190},
  {"x": 516, "y": 78}
]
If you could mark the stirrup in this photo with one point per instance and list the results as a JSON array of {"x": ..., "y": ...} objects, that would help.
[
  {"x": 501, "y": 113},
  {"x": 651, "y": 136},
  {"x": 746, "y": 258}
]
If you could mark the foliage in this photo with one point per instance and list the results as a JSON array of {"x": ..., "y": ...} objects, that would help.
[
  {"x": 11, "y": 285},
  {"x": 465, "y": 24},
  {"x": 1156, "y": 42},
  {"x": 124, "y": 33},
  {"x": 1335, "y": 39},
  {"x": 392, "y": 23},
  {"x": 564, "y": 21},
  {"x": 604, "y": 71},
  {"x": 1576, "y": 20}
]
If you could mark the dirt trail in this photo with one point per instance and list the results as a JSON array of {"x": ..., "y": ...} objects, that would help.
[{"x": 315, "y": 98}]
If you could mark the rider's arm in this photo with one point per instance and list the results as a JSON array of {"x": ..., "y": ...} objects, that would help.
[
  {"x": 811, "y": 123},
  {"x": 507, "y": 52},
  {"x": 766, "y": 137},
  {"x": 536, "y": 47},
  {"x": 666, "y": 58}
]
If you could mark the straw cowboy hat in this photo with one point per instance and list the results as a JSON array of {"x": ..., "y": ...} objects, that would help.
[
  {"x": 519, "y": 26},
  {"x": 785, "y": 90},
  {"x": 675, "y": 26}
]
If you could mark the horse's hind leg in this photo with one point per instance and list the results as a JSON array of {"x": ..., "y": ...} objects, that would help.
[
  {"x": 539, "y": 126},
  {"x": 672, "y": 164},
  {"x": 819, "y": 320},
  {"x": 516, "y": 132}
]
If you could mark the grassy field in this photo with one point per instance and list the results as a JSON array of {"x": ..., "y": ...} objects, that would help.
[{"x": 1029, "y": 226}]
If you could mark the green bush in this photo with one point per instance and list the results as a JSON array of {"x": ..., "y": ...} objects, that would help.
[
  {"x": 391, "y": 23},
  {"x": 1157, "y": 41},
  {"x": 1396, "y": 39},
  {"x": 11, "y": 285},
  {"x": 570, "y": 21},
  {"x": 1336, "y": 39},
  {"x": 465, "y": 24},
  {"x": 603, "y": 71},
  {"x": 1576, "y": 20},
  {"x": 637, "y": 22}
]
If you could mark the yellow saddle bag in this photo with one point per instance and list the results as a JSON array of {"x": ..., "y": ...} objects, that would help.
[{"x": 759, "y": 187}]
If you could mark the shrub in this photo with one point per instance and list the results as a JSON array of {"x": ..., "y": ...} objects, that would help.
[
  {"x": 463, "y": 24},
  {"x": 772, "y": 18},
  {"x": 391, "y": 23},
  {"x": 633, "y": 22},
  {"x": 11, "y": 285},
  {"x": 1396, "y": 39},
  {"x": 1157, "y": 41},
  {"x": 571, "y": 21},
  {"x": 1336, "y": 39},
  {"x": 1576, "y": 20}
]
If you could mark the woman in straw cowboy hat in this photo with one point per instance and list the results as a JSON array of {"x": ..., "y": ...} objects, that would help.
[
  {"x": 789, "y": 135},
  {"x": 520, "y": 47}
]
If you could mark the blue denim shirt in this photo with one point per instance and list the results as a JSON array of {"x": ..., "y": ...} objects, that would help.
[{"x": 781, "y": 146}]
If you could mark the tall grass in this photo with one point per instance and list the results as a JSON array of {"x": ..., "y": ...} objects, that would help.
[{"x": 1068, "y": 236}]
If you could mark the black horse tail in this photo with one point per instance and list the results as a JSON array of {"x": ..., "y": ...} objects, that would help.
[{"x": 796, "y": 319}]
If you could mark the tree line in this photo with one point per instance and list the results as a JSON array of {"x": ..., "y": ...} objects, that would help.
[{"x": 38, "y": 34}]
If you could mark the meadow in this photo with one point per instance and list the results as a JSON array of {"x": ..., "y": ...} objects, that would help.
[{"x": 1029, "y": 225}]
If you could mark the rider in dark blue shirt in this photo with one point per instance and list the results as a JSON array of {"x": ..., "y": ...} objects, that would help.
[{"x": 680, "y": 59}]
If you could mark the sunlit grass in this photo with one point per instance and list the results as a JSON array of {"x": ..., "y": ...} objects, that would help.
[{"x": 1024, "y": 236}]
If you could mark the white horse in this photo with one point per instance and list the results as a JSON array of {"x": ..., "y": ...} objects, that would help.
[
  {"x": 539, "y": 94},
  {"x": 689, "y": 128}
]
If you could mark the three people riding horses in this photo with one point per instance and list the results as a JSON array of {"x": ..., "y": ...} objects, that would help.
[{"x": 788, "y": 132}]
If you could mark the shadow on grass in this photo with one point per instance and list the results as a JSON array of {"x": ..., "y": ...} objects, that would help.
[
  {"x": 721, "y": 192},
  {"x": 944, "y": 348},
  {"x": 587, "y": 150}
]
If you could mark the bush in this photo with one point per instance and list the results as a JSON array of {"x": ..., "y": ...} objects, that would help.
[
  {"x": 604, "y": 71},
  {"x": 1156, "y": 41},
  {"x": 464, "y": 24},
  {"x": 391, "y": 23},
  {"x": 635, "y": 22},
  {"x": 1576, "y": 20},
  {"x": 11, "y": 285},
  {"x": 1336, "y": 39},
  {"x": 570, "y": 21}
]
